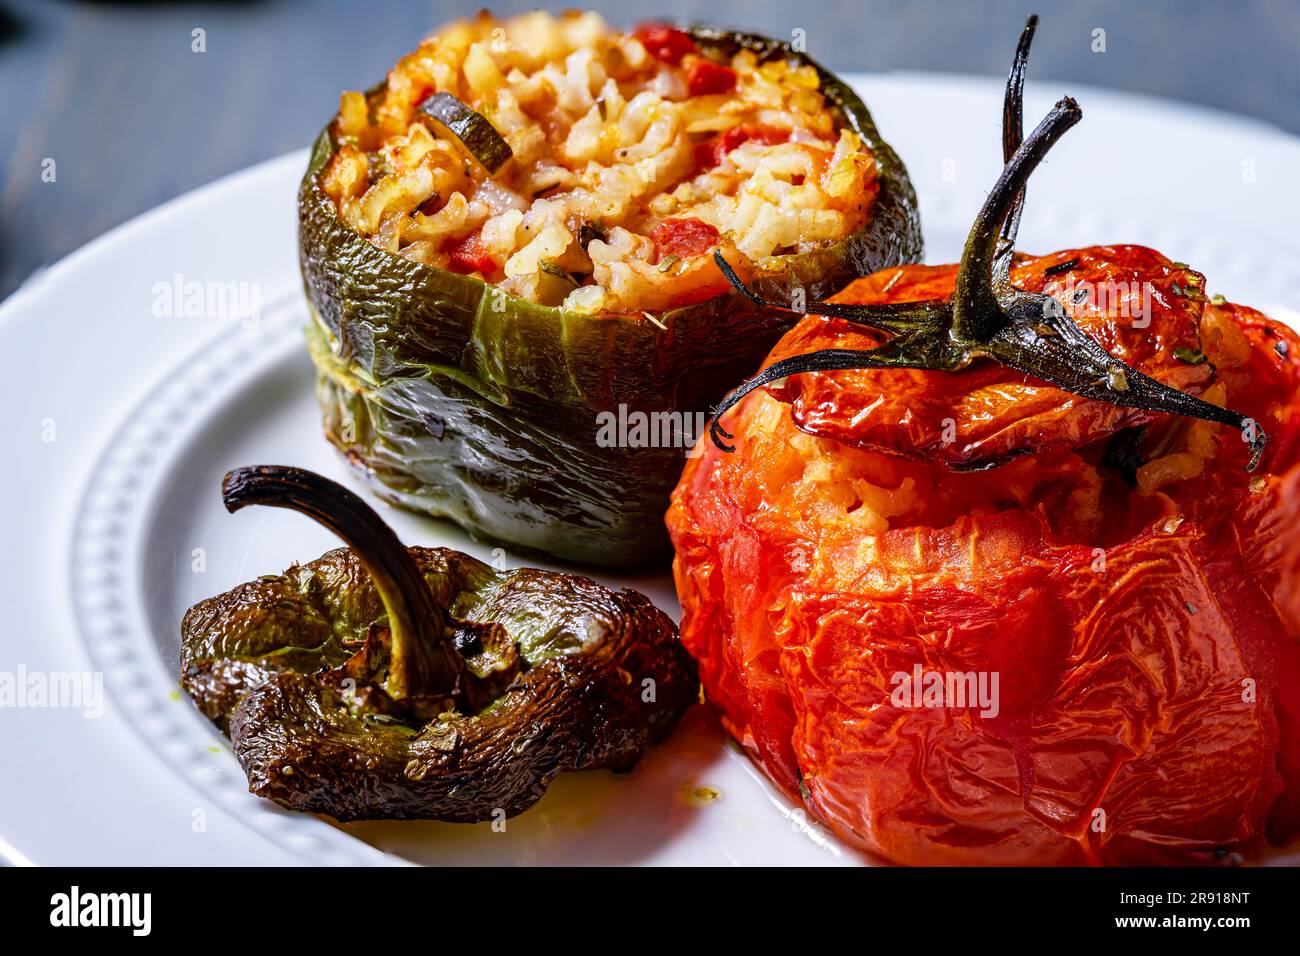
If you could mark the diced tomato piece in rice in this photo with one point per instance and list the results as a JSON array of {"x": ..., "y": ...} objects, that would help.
[
  {"x": 684, "y": 238},
  {"x": 468, "y": 256},
  {"x": 712, "y": 152},
  {"x": 708, "y": 78},
  {"x": 664, "y": 42}
]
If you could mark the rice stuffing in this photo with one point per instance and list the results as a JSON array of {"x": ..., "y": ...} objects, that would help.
[{"x": 633, "y": 155}]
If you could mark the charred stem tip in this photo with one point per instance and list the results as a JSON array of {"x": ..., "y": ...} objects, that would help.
[
  {"x": 1069, "y": 107},
  {"x": 736, "y": 283},
  {"x": 261, "y": 484},
  {"x": 325, "y": 501},
  {"x": 1026, "y": 40},
  {"x": 285, "y": 486},
  {"x": 1064, "y": 114},
  {"x": 719, "y": 435}
]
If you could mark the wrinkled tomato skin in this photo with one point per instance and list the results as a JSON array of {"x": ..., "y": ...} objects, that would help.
[{"x": 1146, "y": 643}]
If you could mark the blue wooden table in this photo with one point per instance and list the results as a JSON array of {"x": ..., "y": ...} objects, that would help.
[{"x": 113, "y": 99}]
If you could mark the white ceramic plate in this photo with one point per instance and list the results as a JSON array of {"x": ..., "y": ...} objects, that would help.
[{"x": 120, "y": 423}]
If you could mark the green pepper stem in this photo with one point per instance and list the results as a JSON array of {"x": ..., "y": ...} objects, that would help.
[{"x": 423, "y": 661}]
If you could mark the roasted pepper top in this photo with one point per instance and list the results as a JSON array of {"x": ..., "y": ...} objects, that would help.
[
  {"x": 377, "y": 682},
  {"x": 593, "y": 168}
]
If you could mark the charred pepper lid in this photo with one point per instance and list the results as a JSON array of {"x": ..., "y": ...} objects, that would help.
[{"x": 457, "y": 696}]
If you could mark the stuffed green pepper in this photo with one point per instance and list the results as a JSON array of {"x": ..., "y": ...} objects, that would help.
[{"x": 517, "y": 321}]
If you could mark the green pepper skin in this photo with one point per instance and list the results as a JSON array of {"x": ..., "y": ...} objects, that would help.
[
  {"x": 589, "y": 678},
  {"x": 458, "y": 400}
]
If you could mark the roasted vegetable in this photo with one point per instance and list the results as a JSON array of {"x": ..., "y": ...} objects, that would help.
[
  {"x": 476, "y": 134},
  {"x": 1084, "y": 653},
  {"x": 382, "y": 682},
  {"x": 456, "y": 398}
]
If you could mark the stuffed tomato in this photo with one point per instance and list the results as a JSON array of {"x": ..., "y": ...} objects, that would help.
[
  {"x": 515, "y": 320},
  {"x": 976, "y": 572},
  {"x": 1125, "y": 596}
]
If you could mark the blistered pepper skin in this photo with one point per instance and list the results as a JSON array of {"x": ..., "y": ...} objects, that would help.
[
  {"x": 602, "y": 677},
  {"x": 1143, "y": 629}
]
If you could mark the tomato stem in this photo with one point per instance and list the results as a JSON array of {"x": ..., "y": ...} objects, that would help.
[
  {"x": 987, "y": 317},
  {"x": 1013, "y": 131}
]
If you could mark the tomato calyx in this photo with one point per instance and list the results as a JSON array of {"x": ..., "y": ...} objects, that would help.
[{"x": 987, "y": 317}]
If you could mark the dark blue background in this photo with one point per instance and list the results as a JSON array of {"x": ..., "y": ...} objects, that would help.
[{"x": 132, "y": 117}]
